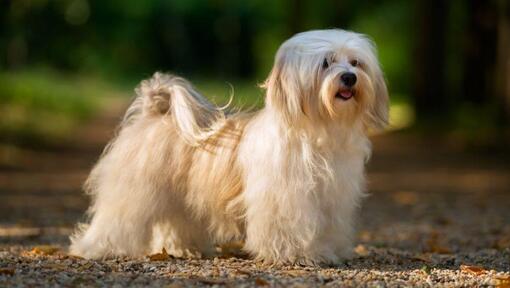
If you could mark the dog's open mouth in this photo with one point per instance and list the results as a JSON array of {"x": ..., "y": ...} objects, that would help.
[{"x": 345, "y": 94}]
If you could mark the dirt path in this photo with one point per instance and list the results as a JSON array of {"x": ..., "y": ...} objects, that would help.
[{"x": 434, "y": 213}]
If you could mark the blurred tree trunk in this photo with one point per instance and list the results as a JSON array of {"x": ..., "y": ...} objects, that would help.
[
  {"x": 296, "y": 17},
  {"x": 432, "y": 104},
  {"x": 480, "y": 52},
  {"x": 503, "y": 60}
]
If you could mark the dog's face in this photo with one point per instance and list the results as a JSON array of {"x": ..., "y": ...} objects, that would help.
[{"x": 328, "y": 75}]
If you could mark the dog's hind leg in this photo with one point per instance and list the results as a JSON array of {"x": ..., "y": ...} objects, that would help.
[
  {"x": 113, "y": 234},
  {"x": 131, "y": 189}
]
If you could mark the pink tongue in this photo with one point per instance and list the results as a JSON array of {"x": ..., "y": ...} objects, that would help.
[{"x": 346, "y": 94}]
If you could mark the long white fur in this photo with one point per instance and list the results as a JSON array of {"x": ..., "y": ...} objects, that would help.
[{"x": 185, "y": 175}]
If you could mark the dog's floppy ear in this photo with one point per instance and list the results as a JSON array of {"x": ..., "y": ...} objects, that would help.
[
  {"x": 283, "y": 89},
  {"x": 378, "y": 113},
  {"x": 380, "y": 110}
]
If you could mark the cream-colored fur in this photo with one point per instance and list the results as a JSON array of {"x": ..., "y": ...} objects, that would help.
[{"x": 185, "y": 175}]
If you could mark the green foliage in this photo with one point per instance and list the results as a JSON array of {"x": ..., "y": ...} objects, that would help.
[
  {"x": 214, "y": 41},
  {"x": 43, "y": 105},
  {"x": 394, "y": 47}
]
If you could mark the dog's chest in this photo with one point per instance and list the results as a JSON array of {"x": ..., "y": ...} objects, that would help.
[{"x": 347, "y": 181}]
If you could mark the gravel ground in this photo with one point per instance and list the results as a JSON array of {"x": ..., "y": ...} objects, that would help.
[
  {"x": 377, "y": 267},
  {"x": 437, "y": 216}
]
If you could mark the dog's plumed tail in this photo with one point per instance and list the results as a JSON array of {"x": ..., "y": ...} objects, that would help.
[{"x": 174, "y": 97}]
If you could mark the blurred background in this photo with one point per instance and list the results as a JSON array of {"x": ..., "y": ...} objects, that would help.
[
  {"x": 68, "y": 69},
  {"x": 447, "y": 62}
]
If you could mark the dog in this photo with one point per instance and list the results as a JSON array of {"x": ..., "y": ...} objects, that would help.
[{"x": 287, "y": 180}]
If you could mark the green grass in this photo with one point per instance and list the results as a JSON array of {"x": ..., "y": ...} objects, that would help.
[{"x": 39, "y": 106}]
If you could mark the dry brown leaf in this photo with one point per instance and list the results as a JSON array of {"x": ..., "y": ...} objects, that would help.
[
  {"x": 423, "y": 257},
  {"x": 233, "y": 249},
  {"x": 261, "y": 282},
  {"x": 477, "y": 270},
  {"x": 7, "y": 271},
  {"x": 233, "y": 245},
  {"x": 243, "y": 272},
  {"x": 405, "y": 198},
  {"x": 502, "y": 281},
  {"x": 86, "y": 266},
  {"x": 503, "y": 242},
  {"x": 361, "y": 250},
  {"x": 440, "y": 249},
  {"x": 294, "y": 273},
  {"x": 44, "y": 250},
  {"x": 434, "y": 245},
  {"x": 163, "y": 256},
  {"x": 365, "y": 236}
]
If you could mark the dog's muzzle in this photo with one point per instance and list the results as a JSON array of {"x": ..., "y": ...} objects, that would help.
[{"x": 347, "y": 81}]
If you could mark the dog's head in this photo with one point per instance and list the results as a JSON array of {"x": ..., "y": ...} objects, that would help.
[{"x": 328, "y": 75}]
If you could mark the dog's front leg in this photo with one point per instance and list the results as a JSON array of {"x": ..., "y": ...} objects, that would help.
[{"x": 285, "y": 222}]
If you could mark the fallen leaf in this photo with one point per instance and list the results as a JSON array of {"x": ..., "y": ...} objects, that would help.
[
  {"x": 294, "y": 273},
  {"x": 502, "y": 281},
  {"x": 440, "y": 250},
  {"x": 163, "y": 256},
  {"x": 423, "y": 257},
  {"x": 44, "y": 250},
  {"x": 7, "y": 271},
  {"x": 405, "y": 198},
  {"x": 233, "y": 245},
  {"x": 477, "y": 270},
  {"x": 261, "y": 282},
  {"x": 85, "y": 266},
  {"x": 503, "y": 242},
  {"x": 434, "y": 245},
  {"x": 55, "y": 266},
  {"x": 233, "y": 249},
  {"x": 365, "y": 236},
  {"x": 243, "y": 272},
  {"x": 361, "y": 250}
]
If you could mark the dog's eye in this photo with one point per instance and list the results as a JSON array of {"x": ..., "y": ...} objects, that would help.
[
  {"x": 354, "y": 63},
  {"x": 325, "y": 64}
]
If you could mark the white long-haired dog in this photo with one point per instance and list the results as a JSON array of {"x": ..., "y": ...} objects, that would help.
[{"x": 185, "y": 175}]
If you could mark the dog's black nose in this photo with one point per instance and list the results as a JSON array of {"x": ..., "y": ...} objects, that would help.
[{"x": 349, "y": 79}]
